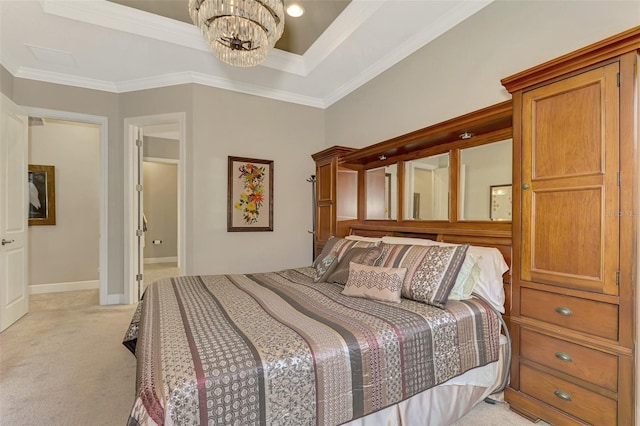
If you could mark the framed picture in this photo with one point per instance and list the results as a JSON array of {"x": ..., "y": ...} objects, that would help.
[
  {"x": 500, "y": 202},
  {"x": 250, "y": 195},
  {"x": 42, "y": 195}
]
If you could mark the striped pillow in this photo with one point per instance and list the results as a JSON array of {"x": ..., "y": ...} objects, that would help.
[
  {"x": 431, "y": 270},
  {"x": 360, "y": 255},
  {"x": 332, "y": 253}
]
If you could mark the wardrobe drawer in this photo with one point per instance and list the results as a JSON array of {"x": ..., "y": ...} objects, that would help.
[
  {"x": 589, "y": 316},
  {"x": 575, "y": 400},
  {"x": 587, "y": 364}
]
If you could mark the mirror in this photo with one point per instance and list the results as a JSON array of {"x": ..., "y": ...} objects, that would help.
[
  {"x": 484, "y": 191},
  {"x": 427, "y": 188},
  {"x": 382, "y": 192}
]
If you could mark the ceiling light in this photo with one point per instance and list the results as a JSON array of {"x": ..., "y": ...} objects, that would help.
[
  {"x": 295, "y": 10},
  {"x": 239, "y": 32}
]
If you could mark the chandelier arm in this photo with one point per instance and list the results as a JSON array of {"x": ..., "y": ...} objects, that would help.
[
  {"x": 271, "y": 11},
  {"x": 209, "y": 21},
  {"x": 199, "y": 3}
]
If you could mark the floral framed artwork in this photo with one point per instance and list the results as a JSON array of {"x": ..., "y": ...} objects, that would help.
[
  {"x": 42, "y": 195},
  {"x": 500, "y": 202},
  {"x": 250, "y": 195}
]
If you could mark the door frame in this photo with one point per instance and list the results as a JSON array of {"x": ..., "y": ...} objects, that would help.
[
  {"x": 131, "y": 125},
  {"x": 103, "y": 122}
]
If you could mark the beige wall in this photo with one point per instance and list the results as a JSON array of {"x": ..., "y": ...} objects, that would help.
[
  {"x": 67, "y": 251},
  {"x": 287, "y": 134},
  {"x": 460, "y": 71},
  {"x": 160, "y": 183},
  {"x": 161, "y": 148}
]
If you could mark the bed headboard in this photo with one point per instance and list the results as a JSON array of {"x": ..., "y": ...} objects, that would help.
[{"x": 477, "y": 237}]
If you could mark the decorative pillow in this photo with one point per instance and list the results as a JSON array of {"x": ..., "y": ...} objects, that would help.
[
  {"x": 331, "y": 255},
  {"x": 467, "y": 277},
  {"x": 431, "y": 270},
  {"x": 361, "y": 255},
  {"x": 492, "y": 266},
  {"x": 372, "y": 282}
]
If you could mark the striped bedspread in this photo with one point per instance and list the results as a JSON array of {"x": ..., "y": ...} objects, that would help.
[{"x": 277, "y": 349}]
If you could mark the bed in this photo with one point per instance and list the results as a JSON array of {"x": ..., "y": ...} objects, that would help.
[{"x": 287, "y": 348}]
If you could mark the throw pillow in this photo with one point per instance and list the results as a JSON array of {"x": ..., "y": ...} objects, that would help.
[
  {"x": 431, "y": 270},
  {"x": 375, "y": 282},
  {"x": 361, "y": 255}
]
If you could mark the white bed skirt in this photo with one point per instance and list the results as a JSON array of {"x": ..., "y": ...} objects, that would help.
[{"x": 435, "y": 406}]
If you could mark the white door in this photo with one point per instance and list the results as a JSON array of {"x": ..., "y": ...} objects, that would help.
[
  {"x": 14, "y": 295},
  {"x": 139, "y": 214}
]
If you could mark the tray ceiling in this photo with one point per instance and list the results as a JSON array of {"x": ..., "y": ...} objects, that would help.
[{"x": 111, "y": 46}]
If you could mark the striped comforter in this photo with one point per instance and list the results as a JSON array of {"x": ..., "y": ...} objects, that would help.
[{"x": 277, "y": 349}]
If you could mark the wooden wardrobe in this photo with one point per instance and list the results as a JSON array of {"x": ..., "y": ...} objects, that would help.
[{"x": 575, "y": 259}]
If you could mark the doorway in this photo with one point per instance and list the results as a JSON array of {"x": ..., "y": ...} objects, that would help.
[
  {"x": 103, "y": 235},
  {"x": 160, "y": 210},
  {"x": 160, "y": 133}
]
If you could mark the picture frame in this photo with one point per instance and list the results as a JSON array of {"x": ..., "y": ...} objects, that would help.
[
  {"x": 500, "y": 202},
  {"x": 42, "y": 195},
  {"x": 249, "y": 195}
]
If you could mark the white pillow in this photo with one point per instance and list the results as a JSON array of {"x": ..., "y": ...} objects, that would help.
[
  {"x": 360, "y": 238},
  {"x": 410, "y": 241},
  {"x": 467, "y": 277},
  {"x": 489, "y": 286}
]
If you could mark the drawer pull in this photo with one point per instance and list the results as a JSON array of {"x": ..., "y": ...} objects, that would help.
[
  {"x": 564, "y": 311},
  {"x": 564, "y": 357},
  {"x": 562, "y": 395}
]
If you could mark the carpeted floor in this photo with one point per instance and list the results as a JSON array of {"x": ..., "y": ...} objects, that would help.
[{"x": 64, "y": 364}]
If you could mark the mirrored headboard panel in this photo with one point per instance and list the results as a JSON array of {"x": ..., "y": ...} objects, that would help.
[{"x": 454, "y": 172}]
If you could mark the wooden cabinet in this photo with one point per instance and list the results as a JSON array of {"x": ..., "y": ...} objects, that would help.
[
  {"x": 573, "y": 320},
  {"x": 333, "y": 182}
]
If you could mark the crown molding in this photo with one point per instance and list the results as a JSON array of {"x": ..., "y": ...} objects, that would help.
[
  {"x": 64, "y": 79},
  {"x": 165, "y": 81}
]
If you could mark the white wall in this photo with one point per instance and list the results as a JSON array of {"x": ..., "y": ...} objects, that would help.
[{"x": 69, "y": 250}]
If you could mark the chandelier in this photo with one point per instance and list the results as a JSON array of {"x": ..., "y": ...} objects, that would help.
[{"x": 239, "y": 32}]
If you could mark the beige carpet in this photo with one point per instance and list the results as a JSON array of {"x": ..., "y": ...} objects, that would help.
[{"x": 64, "y": 364}]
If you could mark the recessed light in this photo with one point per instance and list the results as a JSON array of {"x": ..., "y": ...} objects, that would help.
[{"x": 295, "y": 10}]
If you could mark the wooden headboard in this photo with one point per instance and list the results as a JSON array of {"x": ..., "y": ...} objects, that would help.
[{"x": 477, "y": 237}]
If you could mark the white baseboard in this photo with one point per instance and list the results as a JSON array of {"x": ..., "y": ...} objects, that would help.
[
  {"x": 115, "y": 299},
  {"x": 160, "y": 259},
  {"x": 60, "y": 287}
]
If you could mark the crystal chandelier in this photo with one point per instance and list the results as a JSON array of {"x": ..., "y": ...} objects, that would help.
[{"x": 239, "y": 32}]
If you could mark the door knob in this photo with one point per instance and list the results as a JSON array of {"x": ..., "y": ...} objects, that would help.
[
  {"x": 5, "y": 242},
  {"x": 525, "y": 186}
]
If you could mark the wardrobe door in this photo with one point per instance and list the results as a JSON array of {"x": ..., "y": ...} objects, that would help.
[{"x": 570, "y": 193}]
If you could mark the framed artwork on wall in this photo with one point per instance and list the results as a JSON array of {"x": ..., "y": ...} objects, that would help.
[
  {"x": 42, "y": 195},
  {"x": 249, "y": 195}
]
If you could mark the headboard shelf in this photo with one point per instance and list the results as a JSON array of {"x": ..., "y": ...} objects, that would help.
[{"x": 403, "y": 229}]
